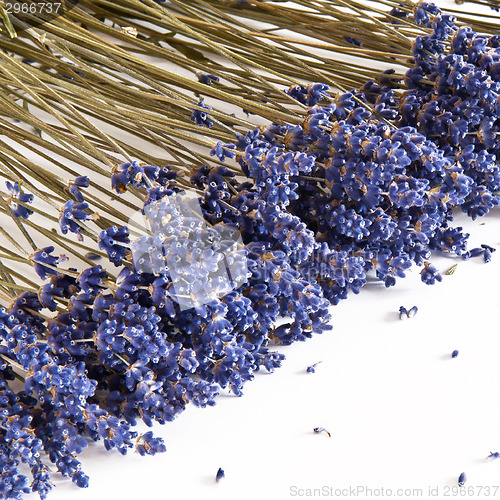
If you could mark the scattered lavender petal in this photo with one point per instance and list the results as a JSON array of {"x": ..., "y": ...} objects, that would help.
[
  {"x": 403, "y": 313},
  {"x": 319, "y": 430},
  {"x": 462, "y": 479},
  {"x": 312, "y": 368}
]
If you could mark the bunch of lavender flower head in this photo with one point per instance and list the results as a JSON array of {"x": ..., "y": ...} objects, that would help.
[
  {"x": 374, "y": 177},
  {"x": 131, "y": 349},
  {"x": 367, "y": 183}
]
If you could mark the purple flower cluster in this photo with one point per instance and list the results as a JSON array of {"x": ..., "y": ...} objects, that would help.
[
  {"x": 346, "y": 193},
  {"x": 136, "y": 174},
  {"x": 111, "y": 355},
  {"x": 57, "y": 407},
  {"x": 452, "y": 98}
]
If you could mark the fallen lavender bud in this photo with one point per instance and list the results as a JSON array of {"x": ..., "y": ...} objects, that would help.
[
  {"x": 200, "y": 117},
  {"x": 319, "y": 430},
  {"x": 407, "y": 313},
  {"x": 220, "y": 475},
  {"x": 492, "y": 456},
  {"x": 484, "y": 250},
  {"x": 312, "y": 368},
  {"x": 18, "y": 195},
  {"x": 429, "y": 274},
  {"x": 487, "y": 252},
  {"x": 454, "y": 354},
  {"x": 148, "y": 444},
  {"x": 412, "y": 312},
  {"x": 403, "y": 313}
]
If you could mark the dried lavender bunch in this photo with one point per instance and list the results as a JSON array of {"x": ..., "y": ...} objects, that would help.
[{"x": 352, "y": 183}]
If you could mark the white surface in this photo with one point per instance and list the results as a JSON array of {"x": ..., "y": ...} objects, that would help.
[{"x": 402, "y": 413}]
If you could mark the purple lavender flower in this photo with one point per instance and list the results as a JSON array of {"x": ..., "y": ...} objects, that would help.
[
  {"x": 72, "y": 217},
  {"x": 18, "y": 195},
  {"x": 412, "y": 312},
  {"x": 312, "y": 368},
  {"x": 200, "y": 117},
  {"x": 80, "y": 182},
  {"x": 207, "y": 78},
  {"x": 115, "y": 241},
  {"x": 352, "y": 41},
  {"x": 147, "y": 444},
  {"x": 319, "y": 430},
  {"x": 91, "y": 280},
  {"x": 310, "y": 94}
]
